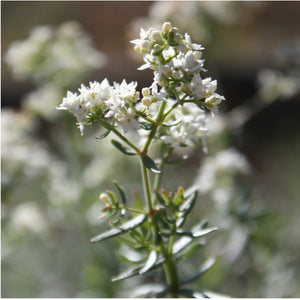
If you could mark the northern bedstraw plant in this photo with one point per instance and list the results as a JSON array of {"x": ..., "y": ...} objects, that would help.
[{"x": 169, "y": 114}]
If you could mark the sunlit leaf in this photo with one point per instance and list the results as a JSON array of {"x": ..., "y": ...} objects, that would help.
[
  {"x": 150, "y": 164},
  {"x": 179, "y": 197},
  {"x": 127, "y": 274},
  {"x": 152, "y": 259},
  {"x": 203, "y": 232},
  {"x": 133, "y": 223}
]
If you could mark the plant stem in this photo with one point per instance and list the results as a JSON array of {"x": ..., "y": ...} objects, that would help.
[
  {"x": 171, "y": 275},
  {"x": 116, "y": 132},
  {"x": 153, "y": 131},
  {"x": 169, "y": 265}
]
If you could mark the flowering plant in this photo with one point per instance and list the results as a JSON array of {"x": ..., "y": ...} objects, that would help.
[{"x": 171, "y": 113}]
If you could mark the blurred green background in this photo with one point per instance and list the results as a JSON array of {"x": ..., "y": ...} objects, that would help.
[{"x": 53, "y": 257}]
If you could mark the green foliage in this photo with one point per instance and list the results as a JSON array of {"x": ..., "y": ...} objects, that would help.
[{"x": 124, "y": 149}]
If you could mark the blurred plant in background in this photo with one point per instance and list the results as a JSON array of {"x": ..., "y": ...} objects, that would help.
[
  {"x": 51, "y": 177},
  {"x": 43, "y": 178},
  {"x": 235, "y": 206}
]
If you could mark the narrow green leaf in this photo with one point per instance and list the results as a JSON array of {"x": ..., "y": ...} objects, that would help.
[
  {"x": 121, "y": 192},
  {"x": 112, "y": 197},
  {"x": 204, "y": 232},
  {"x": 124, "y": 149},
  {"x": 166, "y": 197},
  {"x": 133, "y": 223},
  {"x": 191, "y": 293},
  {"x": 186, "y": 208},
  {"x": 152, "y": 259},
  {"x": 127, "y": 260},
  {"x": 102, "y": 136},
  {"x": 127, "y": 274},
  {"x": 135, "y": 271},
  {"x": 203, "y": 269},
  {"x": 160, "y": 199},
  {"x": 179, "y": 197},
  {"x": 162, "y": 220},
  {"x": 150, "y": 164},
  {"x": 120, "y": 218},
  {"x": 181, "y": 244}
]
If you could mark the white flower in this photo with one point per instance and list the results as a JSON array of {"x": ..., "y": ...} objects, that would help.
[
  {"x": 191, "y": 45},
  {"x": 189, "y": 127},
  {"x": 126, "y": 91},
  {"x": 127, "y": 120},
  {"x": 187, "y": 62},
  {"x": 76, "y": 105},
  {"x": 202, "y": 87}
]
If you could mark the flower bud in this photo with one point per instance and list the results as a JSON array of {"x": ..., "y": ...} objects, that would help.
[
  {"x": 166, "y": 27},
  {"x": 104, "y": 197},
  {"x": 155, "y": 35},
  {"x": 146, "y": 92},
  {"x": 146, "y": 101}
]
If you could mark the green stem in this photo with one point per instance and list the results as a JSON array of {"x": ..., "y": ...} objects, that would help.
[
  {"x": 116, "y": 132},
  {"x": 171, "y": 275},
  {"x": 153, "y": 131}
]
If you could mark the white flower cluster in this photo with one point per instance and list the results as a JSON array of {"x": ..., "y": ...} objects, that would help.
[
  {"x": 178, "y": 89},
  {"x": 186, "y": 126},
  {"x": 103, "y": 100},
  {"x": 61, "y": 55},
  {"x": 176, "y": 62}
]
